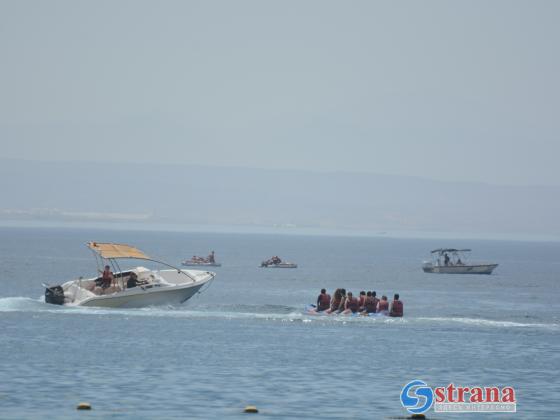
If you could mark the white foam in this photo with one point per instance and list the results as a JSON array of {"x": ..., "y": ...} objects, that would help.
[
  {"x": 490, "y": 323},
  {"x": 24, "y": 304}
]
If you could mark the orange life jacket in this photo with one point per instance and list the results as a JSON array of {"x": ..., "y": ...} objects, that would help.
[{"x": 397, "y": 309}]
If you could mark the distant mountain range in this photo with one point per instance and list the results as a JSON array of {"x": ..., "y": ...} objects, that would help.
[{"x": 190, "y": 194}]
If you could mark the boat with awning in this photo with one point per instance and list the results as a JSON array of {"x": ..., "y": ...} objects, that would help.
[
  {"x": 128, "y": 288},
  {"x": 455, "y": 261}
]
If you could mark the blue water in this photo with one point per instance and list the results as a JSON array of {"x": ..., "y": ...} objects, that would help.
[{"x": 246, "y": 339}]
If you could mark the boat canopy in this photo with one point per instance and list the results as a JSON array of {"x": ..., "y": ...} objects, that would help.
[
  {"x": 442, "y": 250},
  {"x": 112, "y": 251}
]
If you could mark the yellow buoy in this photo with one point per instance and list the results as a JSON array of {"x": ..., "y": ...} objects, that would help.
[
  {"x": 84, "y": 406},
  {"x": 251, "y": 409}
]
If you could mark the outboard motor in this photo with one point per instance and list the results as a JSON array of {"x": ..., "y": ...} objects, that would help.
[{"x": 54, "y": 295}]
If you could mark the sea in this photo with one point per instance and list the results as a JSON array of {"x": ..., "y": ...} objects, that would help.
[{"x": 246, "y": 340}]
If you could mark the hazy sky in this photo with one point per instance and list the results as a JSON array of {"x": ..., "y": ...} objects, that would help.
[{"x": 467, "y": 90}]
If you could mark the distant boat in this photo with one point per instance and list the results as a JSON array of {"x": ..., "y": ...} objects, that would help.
[
  {"x": 195, "y": 263},
  {"x": 276, "y": 262},
  {"x": 208, "y": 261},
  {"x": 453, "y": 261}
]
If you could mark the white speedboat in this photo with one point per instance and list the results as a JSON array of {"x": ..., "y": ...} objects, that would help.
[
  {"x": 276, "y": 262},
  {"x": 453, "y": 261},
  {"x": 150, "y": 288}
]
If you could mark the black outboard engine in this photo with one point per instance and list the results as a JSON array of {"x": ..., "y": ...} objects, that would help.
[{"x": 54, "y": 295}]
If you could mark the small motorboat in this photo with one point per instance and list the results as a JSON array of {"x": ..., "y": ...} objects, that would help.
[
  {"x": 195, "y": 261},
  {"x": 276, "y": 262},
  {"x": 149, "y": 288},
  {"x": 453, "y": 261}
]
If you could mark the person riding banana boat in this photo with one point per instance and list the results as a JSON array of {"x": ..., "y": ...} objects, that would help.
[{"x": 344, "y": 303}]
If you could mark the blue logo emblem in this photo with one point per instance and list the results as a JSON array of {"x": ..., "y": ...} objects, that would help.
[{"x": 417, "y": 397}]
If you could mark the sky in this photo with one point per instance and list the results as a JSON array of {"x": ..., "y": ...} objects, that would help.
[{"x": 465, "y": 91}]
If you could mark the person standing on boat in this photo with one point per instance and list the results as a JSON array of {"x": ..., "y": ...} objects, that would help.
[
  {"x": 446, "y": 259},
  {"x": 397, "y": 309},
  {"x": 211, "y": 258},
  {"x": 107, "y": 278},
  {"x": 323, "y": 301}
]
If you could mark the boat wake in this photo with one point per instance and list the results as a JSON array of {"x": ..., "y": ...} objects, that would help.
[{"x": 279, "y": 313}]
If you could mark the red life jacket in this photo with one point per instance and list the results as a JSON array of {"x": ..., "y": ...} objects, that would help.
[
  {"x": 397, "y": 309},
  {"x": 383, "y": 305},
  {"x": 370, "y": 305},
  {"x": 324, "y": 301},
  {"x": 352, "y": 304}
]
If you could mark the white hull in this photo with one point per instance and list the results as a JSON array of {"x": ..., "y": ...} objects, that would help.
[
  {"x": 197, "y": 264},
  {"x": 460, "y": 269},
  {"x": 281, "y": 265},
  {"x": 145, "y": 297}
]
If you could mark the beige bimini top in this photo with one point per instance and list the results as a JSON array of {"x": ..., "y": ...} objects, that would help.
[{"x": 109, "y": 250}]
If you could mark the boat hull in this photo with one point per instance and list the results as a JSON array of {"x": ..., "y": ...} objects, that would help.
[
  {"x": 141, "y": 298},
  {"x": 460, "y": 269},
  {"x": 194, "y": 264},
  {"x": 281, "y": 265}
]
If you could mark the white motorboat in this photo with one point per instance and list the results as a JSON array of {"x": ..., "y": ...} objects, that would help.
[
  {"x": 149, "y": 288},
  {"x": 453, "y": 261},
  {"x": 209, "y": 261},
  {"x": 276, "y": 262}
]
